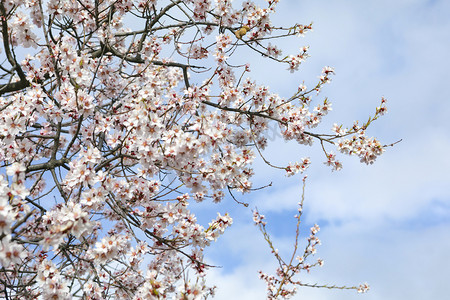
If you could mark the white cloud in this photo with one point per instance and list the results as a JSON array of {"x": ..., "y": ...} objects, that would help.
[{"x": 398, "y": 264}]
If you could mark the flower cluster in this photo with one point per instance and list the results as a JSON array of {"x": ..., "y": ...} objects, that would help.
[
  {"x": 332, "y": 162},
  {"x": 294, "y": 168},
  {"x": 50, "y": 281},
  {"x": 109, "y": 248},
  {"x": 65, "y": 220},
  {"x": 23, "y": 33},
  {"x": 12, "y": 253},
  {"x": 294, "y": 61},
  {"x": 368, "y": 149}
]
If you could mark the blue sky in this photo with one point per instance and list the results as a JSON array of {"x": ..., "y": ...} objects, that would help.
[{"x": 387, "y": 224}]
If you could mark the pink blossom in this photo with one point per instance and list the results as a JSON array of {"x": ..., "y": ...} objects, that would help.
[{"x": 124, "y": 113}]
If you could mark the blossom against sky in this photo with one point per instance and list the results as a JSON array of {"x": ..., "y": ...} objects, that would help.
[{"x": 387, "y": 223}]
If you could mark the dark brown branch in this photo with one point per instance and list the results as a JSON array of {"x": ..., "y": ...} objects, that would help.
[
  {"x": 138, "y": 59},
  {"x": 23, "y": 83},
  {"x": 13, "y": 86},
  {"x": 51, "y": 164},
  {"x": 245, "y": 112}
]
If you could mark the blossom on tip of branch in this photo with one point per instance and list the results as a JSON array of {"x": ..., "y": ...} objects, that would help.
[{"x": 363, "y": 288}]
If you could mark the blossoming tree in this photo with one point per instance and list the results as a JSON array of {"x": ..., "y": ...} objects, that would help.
[{"x": 114, "y": 115}]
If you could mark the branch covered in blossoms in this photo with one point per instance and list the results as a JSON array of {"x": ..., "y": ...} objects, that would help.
[{"x": 115, "y": 116}]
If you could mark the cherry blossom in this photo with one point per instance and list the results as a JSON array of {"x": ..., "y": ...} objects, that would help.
[{"x": 115, "y": 116}]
